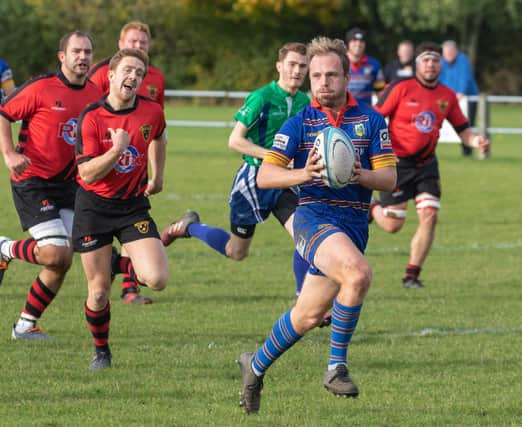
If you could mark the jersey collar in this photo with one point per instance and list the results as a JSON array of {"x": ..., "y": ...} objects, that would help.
[
  {"x": 350, "y": 102},
  {"x": 108, "y": 107},
  {"x": 67, "y": 83}
]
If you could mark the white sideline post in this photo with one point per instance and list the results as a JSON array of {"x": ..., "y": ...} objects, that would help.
[{"x": 483, "y": 122}]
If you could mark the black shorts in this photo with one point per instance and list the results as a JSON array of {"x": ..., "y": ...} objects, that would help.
[
  {"x": 38, "y": 200},
  {"x": 413, "y": 180},
  {"x": 98, "y": 220}
]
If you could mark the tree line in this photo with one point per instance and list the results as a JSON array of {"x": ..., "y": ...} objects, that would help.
[{"x": 232, "y": 44}]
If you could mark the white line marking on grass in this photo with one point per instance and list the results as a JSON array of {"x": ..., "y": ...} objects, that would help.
[
  {"x": 429, "y": 332},
  {"x": 473, "y": 246}
]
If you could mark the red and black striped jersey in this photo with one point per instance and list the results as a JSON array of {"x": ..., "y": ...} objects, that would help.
[
  {"x": 153, "y": 85},
  {"x": 416, "y": 114},
  {"x": 49, "y": 107},
  {"x": 144, "y": 122}
]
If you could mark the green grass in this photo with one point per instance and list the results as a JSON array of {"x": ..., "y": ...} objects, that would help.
[{"x": 448, "y": 355}]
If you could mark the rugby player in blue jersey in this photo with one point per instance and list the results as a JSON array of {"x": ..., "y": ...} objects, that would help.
[{"x": 330, "y": 225}]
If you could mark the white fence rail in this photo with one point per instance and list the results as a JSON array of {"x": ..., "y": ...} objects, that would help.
[{"x": 483, "y": 119}]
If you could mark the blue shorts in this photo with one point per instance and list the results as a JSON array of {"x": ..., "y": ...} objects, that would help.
[
  {"x": 249, "y": 204},
  {"x": 314, "y": 223}
]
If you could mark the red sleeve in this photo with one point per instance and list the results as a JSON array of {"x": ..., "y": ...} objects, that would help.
[
  {"x": 389, "y": 99},
  {"x": 100, "y": 78},
  {"x": 455, "y": 115},
  {"x": 22, "y": 104},
  {"x": 89, "y": 139}
]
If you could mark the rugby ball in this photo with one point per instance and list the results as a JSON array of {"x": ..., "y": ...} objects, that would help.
[{"x": 337, "y": 154}]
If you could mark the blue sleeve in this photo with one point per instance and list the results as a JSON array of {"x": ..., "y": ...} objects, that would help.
[{"x": 288, "y": 138}]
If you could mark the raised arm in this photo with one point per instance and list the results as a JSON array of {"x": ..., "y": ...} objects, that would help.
[{"x": 98, "y": 167}]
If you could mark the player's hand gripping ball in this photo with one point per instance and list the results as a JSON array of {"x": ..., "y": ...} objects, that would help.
[{"x": 338, "y": 156}]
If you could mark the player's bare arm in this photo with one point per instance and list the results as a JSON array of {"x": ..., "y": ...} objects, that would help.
[
  {"x": 15, "y": 162},
  {"x": 240, "y": 143},
  {"x": 157, "y": 155},
  {"x": 383, "y": 179},
  {"x": 98, "y": 167},
  {"x": 276, "y": 176},
  {"x": 471, "y": 139}
]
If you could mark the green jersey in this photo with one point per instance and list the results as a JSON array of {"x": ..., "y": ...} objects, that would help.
[{"x": 264, "y": 112}]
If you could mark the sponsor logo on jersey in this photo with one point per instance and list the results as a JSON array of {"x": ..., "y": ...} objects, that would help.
[
  {"x": 58, "y": 106},
  {"x": 145, "y": 131},
  {"x": 280, "y": 141},
  {"x": 68, "y": 131},
  {"x": 128, "y": 160},
  {"x": 142, "y": 227},
  {"x": 359, "y": 129},
  {"x": 384, "y": 138},
  {"x": 424, "y": 121}
]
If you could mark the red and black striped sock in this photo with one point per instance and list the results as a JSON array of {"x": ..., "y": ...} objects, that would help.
[
  {"x": 24, "y": 250},
  {"x": 130, "y": 282},
  {"x": 98, "y": 323},
  {"x": 38, "y": 299},
  {"x": 412, "y": 272}
]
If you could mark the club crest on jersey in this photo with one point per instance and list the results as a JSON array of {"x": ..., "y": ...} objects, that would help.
[
  {"x": 153, "y": 91},
  {"x": 145, "y": 131},
  {"x": 67, "y": 131},
  {"x": 443, "y": 104},
  {"x": 424, "y": 121},
  {"x": 128, "y": 160},
  {"x": 142, "y": 227},
  {"x": 359, "y": 129}
]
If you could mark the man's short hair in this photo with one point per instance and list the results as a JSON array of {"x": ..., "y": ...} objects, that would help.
[
  {"x": 451, "y": 44},
  {"x": 323, "y": 45},
  {"x": 135, "y": 25},
  {"x": 64, "y": 41},
  {"x": 299, "y": 48},
  {"x": 123, "y": 53}
]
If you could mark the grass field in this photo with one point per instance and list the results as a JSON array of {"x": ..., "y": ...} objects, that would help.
[{"x": 447, "y": 355}]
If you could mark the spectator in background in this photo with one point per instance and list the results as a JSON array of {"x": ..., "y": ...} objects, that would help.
[
  {"x": 403, "y": 66},
  {"x": 7, "y": 84},
  {"x": 133, "y": 35},
  {"x": 457, "y": 74},
  {"x": 366, "y": 74}
]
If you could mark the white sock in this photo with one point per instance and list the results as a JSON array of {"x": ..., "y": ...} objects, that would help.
[
  {"x": 5, "y": 249},
  {"x": 332, "y": 367},
  {"x": 25, "y": 322}
]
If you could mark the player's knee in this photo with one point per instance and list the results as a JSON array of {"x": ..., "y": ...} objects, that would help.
[
  {"x": 305, "y": 321},
  {"x": 99, "y": 298},
  {"x": 358, "y": 279},
  {"x": 429, "y": 214},
  {"x": 157, "y": 280},
  {"x": 58, "y": 258},
  {"x": 235, "y": 253},
  {"x": 394, "y": 219}
]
